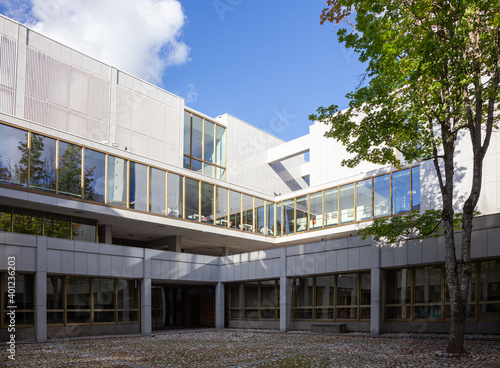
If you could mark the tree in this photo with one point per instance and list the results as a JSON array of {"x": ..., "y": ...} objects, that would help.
[{"x": 433, "y": 71}]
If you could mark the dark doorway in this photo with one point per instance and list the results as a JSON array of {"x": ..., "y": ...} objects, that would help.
[{"x": 182, "y": 306}]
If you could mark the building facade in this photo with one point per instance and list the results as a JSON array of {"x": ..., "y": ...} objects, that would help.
[{"x": 125, "y": 211}]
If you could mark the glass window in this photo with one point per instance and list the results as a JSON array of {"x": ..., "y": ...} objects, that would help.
[
  {"x": 209, "y": 170},
  {"x": 268, "y": 294},
  {"x": 5, "y": 218},
  {"x": 316, "y": 210},
  {"x": 247, "y": 219},
  {"x": 94, "y": 181},
  {"x": 427, "y": 291},
  {"x": 77, "y": 292},
  {"x": 138, "y": 186},
  {"x": 127, "y": 294},
  {"x": 364, "y": 200},
  {"x": 187, "y": 133},
  {"x": 220, "y": 173},
  {"x": 197, "y": 137},
  {"x": 401, "y": 191},
  {"x": 104, "y": 294},
  {"x": 84, "y": 229},
  {"x": 220, "y": 145},
  {"x": 489, "y": 307},
  {"x": 252, "y": 300},
  {"x": 346, "y": 198},
  {"x": 55, "y": 299},
  {"x": 196, "y": 165},
  {"x": 288, "y": 216},
  {"x": 398, "y": 286},
  {"x": 347, "y": 296},
  {"x": 70, "y": 170},
  {"x": 279, "y": 216},
  {"x": 157, "y": 191},
  {"x": 301, "y": 210},
  {"x": 209, "y": 154},
  {"x": 13, "y": 156},
  {"x": 236, "y": 300},
  {"x": 57, "y": 226},
  {"x": 270, "y": 229},
  {"x": 325, "y": 287},
  {"x": 43, "y": 163},
  {"x": 259, "y": 216},
  {"x": 192, "y": 205},
  {"x": 117, "y": 181},
  {"x": 175, "y": 198},
  {"x": 415, "y": 179},
  {"x": 304, "y": 291},
  {"x": 27, "y": 221},
  {"x": 187, "y": 163},
  {"x": 207, "y": 203},
  {"x": 24, "y": 295},
  {"x": 382, "y": 195},
  {"x": 221, "y": 206},
  {"x": 331, "y": 207},
  {"x": 235, "y": 209}
]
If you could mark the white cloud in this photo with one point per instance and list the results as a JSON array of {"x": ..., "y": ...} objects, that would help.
[
  {"x": 191, "y": 93},
  {"x": 141, "y": 37}
]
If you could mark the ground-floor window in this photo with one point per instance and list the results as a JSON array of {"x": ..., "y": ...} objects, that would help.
[
  {"x": 416, "y": 293},
  {"x": 91, "y": 300},
  {"x": 18, "y": 293},
  {"x": 254, "y": 300},
  {"x": 332, "y": 297}
]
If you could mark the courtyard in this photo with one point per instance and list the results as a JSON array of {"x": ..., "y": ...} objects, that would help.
[{"x": 254, "y": 348}]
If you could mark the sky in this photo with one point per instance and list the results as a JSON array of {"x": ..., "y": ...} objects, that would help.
[{"x": 269, "y": 63}]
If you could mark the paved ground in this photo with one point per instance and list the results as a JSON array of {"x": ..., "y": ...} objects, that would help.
[{"x": 244, "y": 348}]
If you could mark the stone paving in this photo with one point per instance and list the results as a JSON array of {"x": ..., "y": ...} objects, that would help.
[{"x": 251, "y": 348}]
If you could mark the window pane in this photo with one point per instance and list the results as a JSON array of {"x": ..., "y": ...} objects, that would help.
[
  {"x": 128, "y": 316},
  {"x": 55, "y": 292},
  {"x": 346, "y": 195},
  {"x": 77, "y": 292},
  {"x": 117, "y": 181},
  {"x": 247, "y": 219},
  {"x": 270, "y": 230},
  {"x": 234, "y": 209},
  {"x": 94, "y": 182},
  {"x": 196, "y": 165},
  {"x": 78, "y": 317},
  {"x": 208, "y": 170},
  {"x": 70, "y": 170},
  {"x": 138, "y": 184},
  {"x": 331, "y": 207},
  {"x": 220, "y": 146},
  {"x": 289, "y": 216},
  {"x": 398, "y": 286},
  {"x": 13, "y": 156},
  {"x": 222, "y": 206},
  {"x": 365, "y": 291},
  {"x": 347, "y": 289},
  {"x": 5, "y": 218},
  {"x": 175, "y": 188},
  {"x": 187, "y": 163},
  {"x": 259, "y": 216},
  {"x": 187, "y": 133},
  {"x": 192, "y": 199},
  {"x": 325, "y": 286},
  {"x": 236, "y": 295},
  {"x": 209, "y": 154},
  {"x": 157, "y": 191},
  {"x": 428, "y": 284},
  {"x": 220, "y": 173},
  {"x": 303, "y": 291},
  {"x": 27, "y": 221},
  {"x": 364, "y": 200},
  {"x": 207, "y": 203},
  {"x": 382, "y": 195},
  {"x": 252, "y": 294},
  {"x": 43, "y": 163},
  {"x": 415, "y": 177},
  {"x": 268, "y": 294},
  {"x": 279, "y": 216},
  {"x": 104, "y": 293},
  {"x": 301, "y": 213},
  {"x": 24, "y": 291},
  {"x": 197, "y": 137},
  {"x": 401, "y": 190},
  {"x": 127, "y": 294},
  {"x": 57, "y": 226},
  {"x": 490, "y": 282},
  {"x": 84, "y": 229},
  {"x": 316, "y": 210}
]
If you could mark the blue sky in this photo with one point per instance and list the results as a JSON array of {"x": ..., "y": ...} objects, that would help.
[{"x": 269, "y": 63}]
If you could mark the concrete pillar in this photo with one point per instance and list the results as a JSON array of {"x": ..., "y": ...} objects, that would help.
[
  {"x": 376, "y": 301},
  {"x": 219, "y": 306},
  {"x": 285, "y": 294},
  {"x": 146, "y": 294},
  {"x": 176, "y": 246},
  {"x": 225, "y": 251},
  {"x": 41, "y": 290},
  {"x": 105, "y": 235}
]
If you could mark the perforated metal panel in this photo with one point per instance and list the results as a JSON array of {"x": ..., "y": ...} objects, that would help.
[{"x": 8, "y": 56}]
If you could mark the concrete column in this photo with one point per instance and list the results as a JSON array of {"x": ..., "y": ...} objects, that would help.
[
  {"x": 376, "y": 301},
  {"x": 225, "y": 251},
  {"x": 219, "y": 306},
  {"x": 105, "y": 235},
  {"x": 41, "y": 290},
  {"x": 285, "y": 294},
  {"x": 146, "y": 295}
]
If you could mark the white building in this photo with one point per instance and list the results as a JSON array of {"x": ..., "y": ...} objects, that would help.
[{"x": 126, "y": 211}]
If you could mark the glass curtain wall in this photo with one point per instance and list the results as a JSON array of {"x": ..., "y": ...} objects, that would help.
[
  {"x": 316, "y": 210},
  {"x": 42, "y": 163},
  {"x": 70, "y": 170},
  {"x": 175, "y": 195},
  {"x": 235, "y": 209},
  {"x": 138, "y": 186},
  {"x": 222, "y": 205},
  {"x": 192, "y": 205},
  {"x": 14, "y": 155},
  {"x": 260, "y": 221},
  {"x": 117, "y": 181},
  {"x": 94, "y": 181},
  {"x": 157, "y": 191}
]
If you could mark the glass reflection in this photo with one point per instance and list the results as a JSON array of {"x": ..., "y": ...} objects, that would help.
[
  {"x": 192, "y": 205},
  {"x": 288, "y": 216},
  {"x": 221, "y": 206},
  {"x": 175, "y": 198},
  {"x": 197, "y": 137},
  {"x": 346, "y": 200},
  {"x": 382, "y": 195},
  {"x": 247, "y": 219},
  {"x": 301, "y": 210},
  {"x": 117, "y": 181},
  {"x": 235, "y": 209},
  {"x": 43, "y": 163},
  {"x": 331, "y": 207},
  {"x": 415, "y": 177},
  {"x": 95, "y": 176},
  {"x": 14, "y": 154},
  {"x": 364, "y": 200},
  {"x": 157, "y": 191},
  {"x": 138, "y": 184},
  {"x": 401, "y": 191},
  {"x": 209, "y": 154},
  {"x": 70, "y": 170},
  {"x": 316, "y": 210},
  {"x": 207, "y": 203},
  {"x": 259, "y": 216},
  {"x": 271, "y": 226},
  {"x": 220, "y": 145}
]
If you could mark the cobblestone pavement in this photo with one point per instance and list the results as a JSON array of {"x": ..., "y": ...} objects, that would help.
[{"x": 250, "y": 348}]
